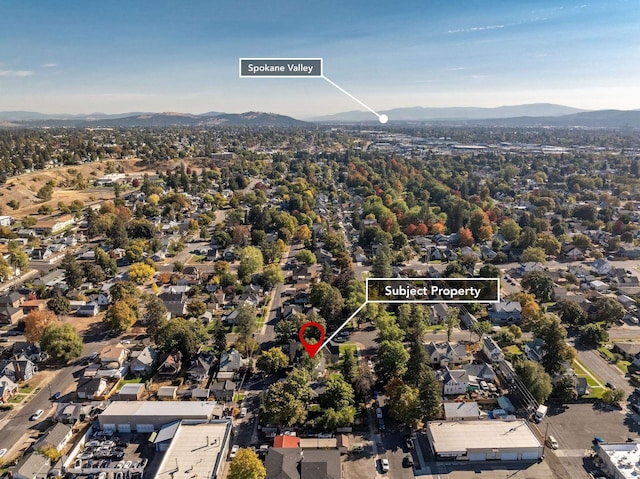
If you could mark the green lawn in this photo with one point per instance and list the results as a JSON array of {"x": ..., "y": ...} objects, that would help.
[
  {"x": 607, "y": 353},
  {"x": 343, "y": 347},
  {"x": 436, "y": 327},
  {"x": 18, "y": 398},
  {"x": 238, "y": 397},
  {"x": 623, "y": 366},
  {"x": 27, "y": 388},
  {"x": 132, "y": 381},
  {"x": 513, "y": 350},
  {"x": 584, "y": 372}
]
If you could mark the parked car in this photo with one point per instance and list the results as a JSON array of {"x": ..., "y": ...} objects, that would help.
[
  {"x": 407, "y": 461},
  {"x": 2, "y": 452},
  {"x": 551, "y": 442},
  {"x": 234, "y": 451},
  {"x": 611, "y": 386},
  {"x": 56, "y": 396},
  {"x": 243, "y": 412},
  {"x": 384, "y": 464},
  {"x": 36, "y": 415}
]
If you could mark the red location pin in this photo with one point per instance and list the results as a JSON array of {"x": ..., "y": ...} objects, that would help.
[{"x": 312, "y": 349}]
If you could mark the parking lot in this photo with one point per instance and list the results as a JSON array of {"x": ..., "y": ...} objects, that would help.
[
  {"x": 123, "y": 456},
  {"x": 575, "y": 425}
]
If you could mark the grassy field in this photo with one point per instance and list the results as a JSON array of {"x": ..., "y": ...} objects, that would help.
[
  {"x": 592, "y": 380},
  {"x": 345, "y": 346}
]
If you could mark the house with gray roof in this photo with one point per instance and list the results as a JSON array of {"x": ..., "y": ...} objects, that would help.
[
  {"x": 56, "y": 437},
  {"x": 142, "y": 362},
  {"x": 505, "y": 312},
  {"x": 444, "y": 354}
]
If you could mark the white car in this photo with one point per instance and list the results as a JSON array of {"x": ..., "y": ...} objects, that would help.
[
  {"x": 243, "y": 412},
  {"x": 384, "y": 464},
  {"x": 36, "y": 415},
  {"x": 234, "y": 451},
  {"x": 2, "y": 452}
]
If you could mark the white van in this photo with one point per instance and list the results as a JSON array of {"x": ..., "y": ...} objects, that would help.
[
  {"x": 551, "y": 442},
  {"x": 483, "y": 385}
]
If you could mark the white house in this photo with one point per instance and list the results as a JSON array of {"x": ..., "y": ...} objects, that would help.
[
  {"x": 454, "y": 381},
  {"x": 444, "y": 354}
]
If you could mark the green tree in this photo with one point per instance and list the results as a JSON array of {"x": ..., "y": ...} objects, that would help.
[
  {"x": 93, "y": 273},
  {"x": 181, "y": 335},
  {"x": 196, "y": 308},
  {"x": 608, "y": 310},
  {"x": 5, "y": 270},
  {"x": 534, "y": 377},
  {"x": 610, "y": 396},
  {"x": 155, "y": 314},
  {"x": 349, "y": 366},
  {"x": 533, "y": 254},
  {"x": 104, "y": 261},
  {"x": 594, "y": 334},
  {"x": 381, "y": 267},
  {"x": 510, "y": 230},
  {"x": 247, "y": 320},
  {"x": 554, "y": 347},
  {"x": 118, "y": 233},
  {"x": 338, "y": 393},
  {"x": 540, "y": 285},
  {"x": 59, "y": 305},
  {"x": 490, "y": 271},
  {"x": 392, "y": 360},
  {"x": 572, "y": 313},
  {"x": 251, "y": 262},
  {"x": 286, "y": 402},
  {"x": 565, "y": 389},
  {"x": 404, "y": 402},
  {"x": 73, "y": 272},
  {"x": 272, "y": 361},
  {"x": 307, "y": 257},
  {"x": 453, "y": 320},
  {"x": 18, "y": 259},
  {"x": 389, "y": 329},
  {"x": 219, "y": 338},
  {"x": 430, "y": 396},
  {"x": 246, "y": 465},
  {"x": 481, "y": 328},
  {"x": 61, "y": 341},
  {"x": 271, "y": 275},
  {"x": 119, "y": 317},
  {"x": 549, "y": 244}
]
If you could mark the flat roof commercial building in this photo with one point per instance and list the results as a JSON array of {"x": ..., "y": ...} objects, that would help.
[
  {"x": 196, "y": 450},
  {"x": 620, "y": 461},
  {"x": 484, "y": 440},
  {"x": 149, "y": 416}
]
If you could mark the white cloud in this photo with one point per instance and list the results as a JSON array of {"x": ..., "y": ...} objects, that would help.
[
  {"x": 15, "y": 73},
  {"x": 49, "y": 65},
  {"x": 476, "y": 29}
]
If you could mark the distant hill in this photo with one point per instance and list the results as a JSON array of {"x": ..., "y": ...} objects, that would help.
[
  {"x": 419, "y": 113},
  {"x": 589, "y": 119},
  {"x": 13, "y": 116},
  {"x": 252, "y": 118}
]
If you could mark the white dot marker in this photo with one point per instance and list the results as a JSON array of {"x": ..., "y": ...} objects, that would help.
[{"x": 383, "y": 119}]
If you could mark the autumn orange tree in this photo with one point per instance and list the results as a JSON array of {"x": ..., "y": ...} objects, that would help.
[{"x": 35, "y": 322}]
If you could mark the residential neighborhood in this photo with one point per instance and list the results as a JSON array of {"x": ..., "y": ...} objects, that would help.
[{"x": 161, "y": 324}]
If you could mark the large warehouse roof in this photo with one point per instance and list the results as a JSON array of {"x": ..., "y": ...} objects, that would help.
[
  {"x": 492, "y": 434},
  {"x": 196, "y": 451},
  {"x": 186, "y": 409}
]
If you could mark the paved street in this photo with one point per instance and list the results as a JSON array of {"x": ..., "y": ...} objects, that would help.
[{"x": 605, "y": 371}]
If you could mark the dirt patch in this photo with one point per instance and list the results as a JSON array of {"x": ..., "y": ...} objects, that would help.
[
  {"x": 23, "y": 189},
  {"x": 82, "y": 324}
]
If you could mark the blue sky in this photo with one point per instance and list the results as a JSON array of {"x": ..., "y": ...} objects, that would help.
[{"x": 86, "y": 56}]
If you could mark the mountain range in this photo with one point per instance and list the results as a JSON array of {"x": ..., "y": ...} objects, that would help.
[{"x": 531, "y": 115}]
